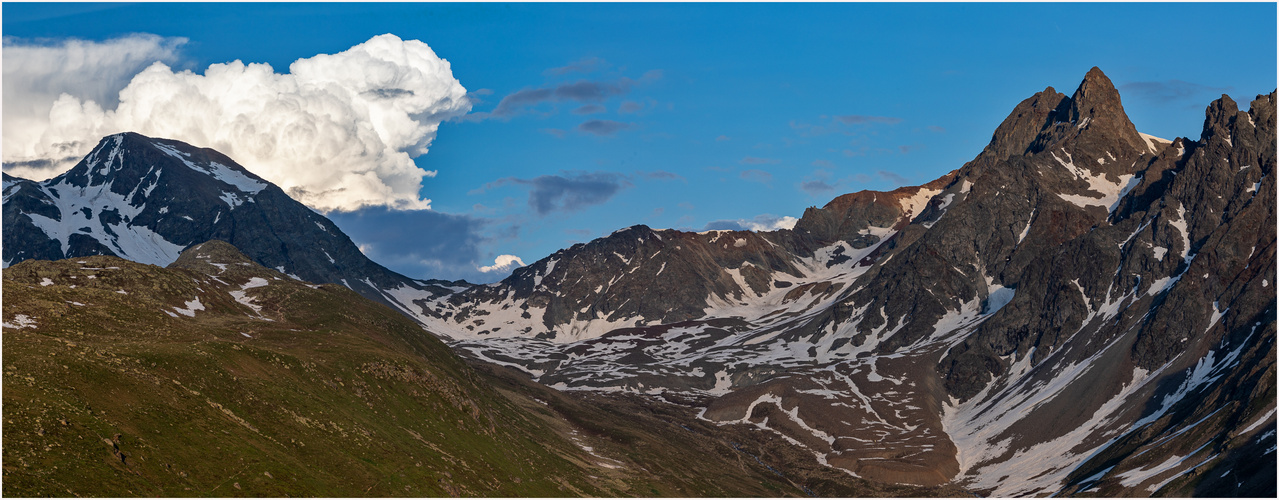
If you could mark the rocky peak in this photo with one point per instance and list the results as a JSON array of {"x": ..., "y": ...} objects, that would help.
[
  {"x": 1093, "y": 119},
  {"x": 129, "y": 163},
  {"x": 1221, "y": 109},
  {"x": 1219, "y": 118},
  {"x": 1096, "y": 97}
]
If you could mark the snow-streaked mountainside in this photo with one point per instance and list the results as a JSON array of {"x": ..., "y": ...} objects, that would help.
[
  {"x": 1080, "y": 309},
  {"x": 147, "y": 199}
]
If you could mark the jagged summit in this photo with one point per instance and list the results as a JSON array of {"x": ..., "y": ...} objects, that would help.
[
  {"x": 1096, "y": 97},
  {"x": 1097, "y": 110},
  {"x": 1092, "y": 117}
]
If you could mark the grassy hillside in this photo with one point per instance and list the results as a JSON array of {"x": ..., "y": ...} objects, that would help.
[{"x": 218, "y": 377}]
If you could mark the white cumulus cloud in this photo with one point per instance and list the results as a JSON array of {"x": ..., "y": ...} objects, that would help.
[
  {"x": 337, "y": 132},
  {"x": 503, "y": 263},
  {"x": 35, "y": 74},
  {"x": 768, "y": 223},
  {"x": 765, "y": 222}
]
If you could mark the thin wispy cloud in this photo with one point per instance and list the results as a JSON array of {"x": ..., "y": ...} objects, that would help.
[
  {"x": 637, "y": 107},
  {"x": 816, "y": 187},
  {"x": 867, "y": 119},
  {"x": 753, "y": 160},
  {"x": 661, "y": 175},
  {"x": 763, "y": 222},
  {"x": 602, "y": 127},
  {"x": 576, "y": 91},
  {"x": 755, "y": 175},
  {"x": 581, "y": 91},
  {"x": 519, "y": 102},
  {"x": 630, "y": 107},
  {"x": 589, "y": 109},
  {"x": 821, "y": 182},
  {"x": 583, "y": 65},
  {"x": 894, "y": 178},
  {"x": 1170, "y": 90},
  {"x": 477, "y": 96},
  {"x": 569, "y": 192}
]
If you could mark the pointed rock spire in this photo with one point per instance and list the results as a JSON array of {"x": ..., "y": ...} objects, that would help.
[
  {"x": 1046, "y": 120},
  {"x": 1096, "y": 104},
  {"x": 1095, "y": 96}
]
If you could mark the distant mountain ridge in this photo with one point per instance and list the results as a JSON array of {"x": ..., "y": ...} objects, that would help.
[{"x": 146, "y": 199}]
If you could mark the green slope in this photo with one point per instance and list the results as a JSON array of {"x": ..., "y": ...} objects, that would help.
[
  {"x": 118, "y": 383},
  {"x": 322, "y": 393}
]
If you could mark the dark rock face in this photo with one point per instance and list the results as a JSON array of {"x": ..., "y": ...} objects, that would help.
[
  {"x": 1192, "y": 215},
  {"x": 147, "y": 199}
]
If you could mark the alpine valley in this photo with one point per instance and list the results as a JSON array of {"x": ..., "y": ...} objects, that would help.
[{"x": 1081, "y": 310}]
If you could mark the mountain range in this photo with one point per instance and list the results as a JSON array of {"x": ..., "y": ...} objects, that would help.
[
  {"x": 1082, "y": 309},
  {"x": 215, "y": 376}
]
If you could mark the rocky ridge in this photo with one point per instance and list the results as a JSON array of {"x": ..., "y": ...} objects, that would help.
[{"x": 1081, "y": 307}]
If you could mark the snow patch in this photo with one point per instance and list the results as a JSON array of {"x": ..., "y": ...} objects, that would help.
[
  {"x": 191, "y": 307},
  {"x": 913, "y": 205},
  {"x": 133, "y": 242},
  {"x": 1026, "y": 230},
  {"x": 216, "y": 170},
  {"x": 1109, "y": 192},
  {"x": 998, "y": 297},
  {"x": 1153, "y": 144},
  {"x": 1180, "y": 225},
  {"x": 20, "y": 321}
]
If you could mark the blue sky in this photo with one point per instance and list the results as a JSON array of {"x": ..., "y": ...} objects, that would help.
[{"x": 704, "y": 115}]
